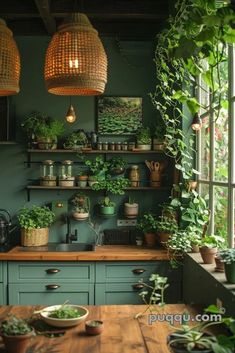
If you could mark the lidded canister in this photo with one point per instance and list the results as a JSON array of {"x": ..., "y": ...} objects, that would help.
[
  {"x": 47, "y": 174},
  {"x": 66, "y": 177}
]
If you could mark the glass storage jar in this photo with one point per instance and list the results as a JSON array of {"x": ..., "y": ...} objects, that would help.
[
  {"x": 111, "y": 146},
  {"x": 118, "y": 146},
  {"x": 124, "y": 146},
  {"x": 47, "y": 177},
  {"x": 66, "y": 177},
  {"x": 134, "y": 176},
  {"x": 105, "y": 146}
]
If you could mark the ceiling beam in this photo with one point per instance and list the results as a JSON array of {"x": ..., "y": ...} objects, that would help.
[{"x": 44, "y": 11}]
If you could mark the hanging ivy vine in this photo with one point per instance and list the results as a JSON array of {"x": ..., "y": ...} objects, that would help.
[{"x": 194, "y": 44}]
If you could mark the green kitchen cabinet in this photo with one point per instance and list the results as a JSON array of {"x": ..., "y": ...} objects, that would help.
[
  {"x": 119, "y": 282},
  {"x": 49, "y": 283},
  {"x": 3, "y": 283}
]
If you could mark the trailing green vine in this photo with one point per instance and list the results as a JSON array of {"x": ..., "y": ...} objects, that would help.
[{"x": 194, "y": 45}]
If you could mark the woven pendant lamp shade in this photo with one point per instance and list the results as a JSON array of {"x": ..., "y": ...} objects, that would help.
[
  {"x": 76, "y": 63},
  {"x": 9, "y": 62}
]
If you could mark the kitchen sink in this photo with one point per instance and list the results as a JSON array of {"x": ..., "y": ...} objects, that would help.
[{"x": 60, "y": 247}]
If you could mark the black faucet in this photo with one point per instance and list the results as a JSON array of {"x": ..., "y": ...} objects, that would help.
[{"x": 69, "y": 236}]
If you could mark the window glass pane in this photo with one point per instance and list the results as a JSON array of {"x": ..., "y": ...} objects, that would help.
[
  {"x": 205, "y": 149},
  {"x": 221, "y": 211},
  {"x": 221, "y": 128}
]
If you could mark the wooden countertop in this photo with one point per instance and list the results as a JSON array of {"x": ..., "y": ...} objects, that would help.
[
  {"x": 122, "y": 332},
  {"x": 102, "y": 253}
]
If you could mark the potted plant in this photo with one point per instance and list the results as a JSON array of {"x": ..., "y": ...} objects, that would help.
[
  {"x": 165, "y": 228},
  {"x": 159, "y": 137},
  {"x": 97, "y": 169},
  {"x": 227, "y": 256},
  {"x": 194, "y": 234},
  {"x": 76, "y": 140},
  {"x": 107, "y": 207},
  {"x": 209, "y": 246},
  {"x": 178, "y": 244},
  {"x": 34, "y": 224},
  {"x": 82, "y": 179},
  {"x": 16, "y": 334},
  {"x": 148, "y": 225},
  {"x": 131, "y": 209},
  {"x": 143, "y": 138},
  {"x": 117, "y": 165},
  {"x": 114, "y": 186},
  {"x": 42, "y": 130},
  {"x": 81, "y": 207}
]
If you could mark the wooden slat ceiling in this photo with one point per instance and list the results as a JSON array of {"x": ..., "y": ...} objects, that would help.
[{"x": 130, "y": 19}]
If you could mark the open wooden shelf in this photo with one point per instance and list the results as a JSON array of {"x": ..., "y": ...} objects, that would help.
[{"x": 93, "y": 151}]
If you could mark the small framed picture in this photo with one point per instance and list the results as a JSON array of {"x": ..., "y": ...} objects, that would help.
[{"x": 118, "y": 115}]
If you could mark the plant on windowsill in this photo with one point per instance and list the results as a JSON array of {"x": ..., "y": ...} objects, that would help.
[
  {"x": 143, "y": 139},
  {"x": 81, "y": 207},
  {"x": 16, "y": 333},
  {"x": 227, "y": 256},
  {"x": 35, "y": 224},
  {"x": 209, "y": 246},
  {"x": 178, "y": 244},
  {"x": 153, "y": 295},
  {"x": 148, "y": 225}
]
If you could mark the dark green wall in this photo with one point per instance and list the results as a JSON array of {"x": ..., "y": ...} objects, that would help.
[{"x": 130, "y": 72}]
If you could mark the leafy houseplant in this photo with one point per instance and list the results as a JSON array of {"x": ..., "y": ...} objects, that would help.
[
  {"x": 107, "y": 207},
  {"x": 148, "y": 225},
  {"x": 81, "y": 208},
  {"x": 159, "y": 137},
  {"x": 97, "y": 169},
  {"x": 144, "y": 138},
  {"x": 117, "y": 165},
  {"x": 178, "y": 244},
  {"x": 209, "y": 246},
  {"x": 153, "y": 295},
  {"x": 115, "y": 186},
  {"x": 34, "y": 224},
  {"x": 227, "y": 256},
  {"x": 166, "y": 226},
  {"x": 76, "y": 140},
  {"x": 16, "y": 333},
  {"x": 131, "y": 209}
]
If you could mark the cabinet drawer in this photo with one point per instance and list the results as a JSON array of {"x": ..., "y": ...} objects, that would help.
[
  {"x": 128, "y": 293},
  {"x": 50, "y": 271},
  {"x": 130, "y": 271},
  {"x": 26, "y": 294}
]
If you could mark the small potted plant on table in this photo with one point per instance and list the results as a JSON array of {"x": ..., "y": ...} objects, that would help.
[
  {"x": 35, "y": 224},
  {"x": 227, "y": 256},
  {"x": 148, "y": 225},
  {"x": 209, "y": 246},
  {"x": 16, "y": 334},
  {"x": 107, "y": 207},
  {"x": 144, "y": 141},
  {"x": 81, "y": 207}
]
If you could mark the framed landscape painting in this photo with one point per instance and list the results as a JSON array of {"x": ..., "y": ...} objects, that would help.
[{"x": 119, "y": 115}]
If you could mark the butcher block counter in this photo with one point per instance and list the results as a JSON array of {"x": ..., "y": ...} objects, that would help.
[
  {"x": 101, "y": 253},
  {"x": 122, "y": 332}
]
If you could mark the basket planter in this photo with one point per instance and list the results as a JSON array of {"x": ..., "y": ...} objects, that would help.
[
  {"x": 230, "y": 272},
  {"x": 143, "y": 147},
  {"x": 17, "y": 344},
  {"x": 158, "y": 145},
  {"x": 150, "y": 240},
  {"x": 34, "y": 237},
  {"x": 48, "y": 181},
  {"x": 46, "y": 143},
  {"x": 208, "y": 254},
  {"x": 131, "y": 210}
]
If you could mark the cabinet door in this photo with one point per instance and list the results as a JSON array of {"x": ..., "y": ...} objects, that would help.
[
  {"x": 49, "y": 294},
  {"x": 2, "y": 295},
  {"x": 29, "y": 272}
]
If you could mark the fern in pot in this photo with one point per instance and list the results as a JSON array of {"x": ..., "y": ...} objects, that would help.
[{"x": 35, "y": 223}]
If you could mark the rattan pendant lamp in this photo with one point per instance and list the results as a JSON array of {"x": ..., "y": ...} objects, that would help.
[
  {"x": 76, "y": 63},
  {"x": 9, "y": 62}
]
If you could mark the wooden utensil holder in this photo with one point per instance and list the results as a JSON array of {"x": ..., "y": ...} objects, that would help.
[{"x": 155, "y": 179}]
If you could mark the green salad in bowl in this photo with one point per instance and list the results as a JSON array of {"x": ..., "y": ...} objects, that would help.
[{"x": 65, "y": 315}]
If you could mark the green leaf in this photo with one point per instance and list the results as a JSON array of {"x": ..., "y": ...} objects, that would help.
[{"x": 193, "y": 105}]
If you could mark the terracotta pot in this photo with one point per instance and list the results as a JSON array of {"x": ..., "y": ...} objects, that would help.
[
  {"x": 17, "y": 344},
  {"x": 163, "y": 237},
  {"x": 219, "y": 264},
  {"x": 195, "y": 248},
  {"x": 150, "y": 240},
  {"x": 94, "y": 327},
  {"x": 208, "y": 254}
]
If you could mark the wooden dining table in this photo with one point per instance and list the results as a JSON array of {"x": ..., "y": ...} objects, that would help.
[{"x": 123, "y": 332}]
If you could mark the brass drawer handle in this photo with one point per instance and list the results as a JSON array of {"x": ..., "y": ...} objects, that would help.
[
  {"x": 51, "y": 271},
  {"x": 138, "y": 271},
  {"x": 52, "y": 286},
  {"x": 138, "y": 286}
]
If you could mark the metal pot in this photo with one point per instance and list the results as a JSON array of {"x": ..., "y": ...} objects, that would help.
[{"x": 5, "y": 223}]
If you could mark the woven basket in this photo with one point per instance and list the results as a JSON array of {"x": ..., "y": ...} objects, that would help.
[
  {"x": 9, "y": 62},
  {"x": 34, "y": 237},
  {"x": 76, "y": 63}
]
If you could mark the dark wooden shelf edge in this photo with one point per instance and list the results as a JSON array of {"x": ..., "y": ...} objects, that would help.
[
  {"x": 93, "y": 151},
  {"x": 38, "y": 187}
]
